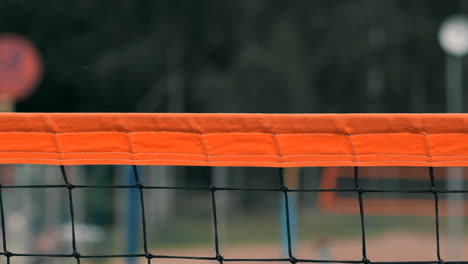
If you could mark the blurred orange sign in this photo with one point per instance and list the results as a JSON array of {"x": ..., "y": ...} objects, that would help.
[
  {"x": 421, "y": 204},
  {"x": 20, "y": 68}
]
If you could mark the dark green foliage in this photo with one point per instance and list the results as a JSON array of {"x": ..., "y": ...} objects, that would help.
[{"x": 235, "y": 56}]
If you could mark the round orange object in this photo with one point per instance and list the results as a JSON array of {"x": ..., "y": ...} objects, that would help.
[{"x": 20, "y": 67}]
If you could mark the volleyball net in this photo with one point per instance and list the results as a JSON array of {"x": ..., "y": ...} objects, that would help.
[{"x": 352, "y": 143}]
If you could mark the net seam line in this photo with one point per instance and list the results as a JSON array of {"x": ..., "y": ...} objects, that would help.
[
  {"x": 202, "y": 139},
  {"x": 242, "y": 161},
  {"x": 231, "y": 133},
  {"x": 49, "y": 123},
  {"x": 205, "y": 148},
  {"x": 429, "y": 148},
  {"x": 353, "y": 149},
  {"x": 278, "y": 148},
  {"x": 130, "y": 146},
  {"x": 227, "y": 155}
]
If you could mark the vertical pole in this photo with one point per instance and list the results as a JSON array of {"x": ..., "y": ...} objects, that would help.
[
  {"x": 454, "y": 79},
  {"x": 132, "y": 216},
  {"x": 292, "y": 181},
  {"x": 454, "y": 99}
]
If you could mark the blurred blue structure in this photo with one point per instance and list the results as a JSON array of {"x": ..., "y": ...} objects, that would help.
[
  {"x": 292, "y": 198},
  {"x": 133, "y": 216}
]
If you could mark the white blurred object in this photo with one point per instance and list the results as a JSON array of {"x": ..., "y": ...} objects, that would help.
[{"x": 453, "y": 35}]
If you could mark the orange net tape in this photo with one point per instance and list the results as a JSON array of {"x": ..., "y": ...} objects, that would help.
[{"x": 266, "y": 140}]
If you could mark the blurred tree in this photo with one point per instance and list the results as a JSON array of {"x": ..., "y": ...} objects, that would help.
[{"x": 234, "y": 56}]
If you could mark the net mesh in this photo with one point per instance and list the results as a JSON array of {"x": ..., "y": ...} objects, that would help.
[{"x": 153, "y": 257}]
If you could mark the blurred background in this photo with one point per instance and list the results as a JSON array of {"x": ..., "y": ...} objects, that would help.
[
  {"x": 234, "y": 56},
  {"x": 267, "y": 56}
]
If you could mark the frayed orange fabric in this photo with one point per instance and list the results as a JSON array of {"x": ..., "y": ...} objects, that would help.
[{"x": 260, "y": 140}]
